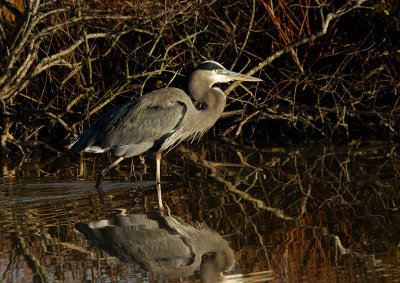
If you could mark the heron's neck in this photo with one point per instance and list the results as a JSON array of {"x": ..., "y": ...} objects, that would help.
[
  {"x": 215, "y": 102},
  {"x": 212, "y": 98}
]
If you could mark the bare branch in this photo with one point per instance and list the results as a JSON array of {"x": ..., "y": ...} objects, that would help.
[{"x": 324, "y": 28}]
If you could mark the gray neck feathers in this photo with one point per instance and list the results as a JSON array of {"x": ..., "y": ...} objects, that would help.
[{"x": 200, "y": 87}]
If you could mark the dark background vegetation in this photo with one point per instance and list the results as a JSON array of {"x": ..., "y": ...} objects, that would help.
[
  {"x": 330, "y": 71},
  {"x": 330, "y": 68}
]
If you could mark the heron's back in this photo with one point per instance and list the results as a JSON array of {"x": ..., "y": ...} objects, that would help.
[{"x": 137, "y": 126}]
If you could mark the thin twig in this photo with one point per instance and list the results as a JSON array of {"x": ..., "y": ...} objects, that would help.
[{"x": 324, "y": 27}]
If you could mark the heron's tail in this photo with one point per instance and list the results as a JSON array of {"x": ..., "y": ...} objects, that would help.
[
  {"x": 81, "y": 142},
  {"x": 76, "y": 145},
  {"x": 87, "y": 142}
]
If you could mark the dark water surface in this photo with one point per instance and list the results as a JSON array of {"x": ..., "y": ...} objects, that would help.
[{"x": 309, "y": 213}]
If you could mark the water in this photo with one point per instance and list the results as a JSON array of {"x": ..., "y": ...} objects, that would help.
[{"x": 290, "y": 213}]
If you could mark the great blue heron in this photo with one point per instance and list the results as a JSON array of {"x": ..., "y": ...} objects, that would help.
[
  {"x": 159, "y": 119},
  {"x": 162, "y": 244}
]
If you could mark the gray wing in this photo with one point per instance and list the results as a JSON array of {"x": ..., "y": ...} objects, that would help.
[{"x": 136, "y": 126}]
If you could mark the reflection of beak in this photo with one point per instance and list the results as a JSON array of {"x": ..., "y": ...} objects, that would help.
[{"x": 238, "y": 77}]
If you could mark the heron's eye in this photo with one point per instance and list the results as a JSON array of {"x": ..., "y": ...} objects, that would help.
[{"x": 217, "y": 70}]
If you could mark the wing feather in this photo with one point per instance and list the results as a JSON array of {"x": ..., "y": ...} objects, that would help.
[{"x": 141, "y": 121}]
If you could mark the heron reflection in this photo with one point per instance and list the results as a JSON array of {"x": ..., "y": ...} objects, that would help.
[{"x": 162, "y": 244}]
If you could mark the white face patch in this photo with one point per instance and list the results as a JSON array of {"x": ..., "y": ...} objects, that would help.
[
  {"x": 221, "y": 78},
  {"x": 215, "y": 77}
]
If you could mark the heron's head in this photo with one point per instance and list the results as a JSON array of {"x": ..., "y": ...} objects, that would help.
[{"x": 211, "y": 72}]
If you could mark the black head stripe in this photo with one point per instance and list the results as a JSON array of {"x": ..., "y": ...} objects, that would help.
[{"x": 210, "y": 65}]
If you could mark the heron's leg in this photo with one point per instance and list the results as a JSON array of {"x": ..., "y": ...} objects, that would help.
[
  {"x": 158, "y": 180},
  {"x": 158, "y": 172},
  {"x": 160, "y": 204},
  {"x": 105, "y": 170}
]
